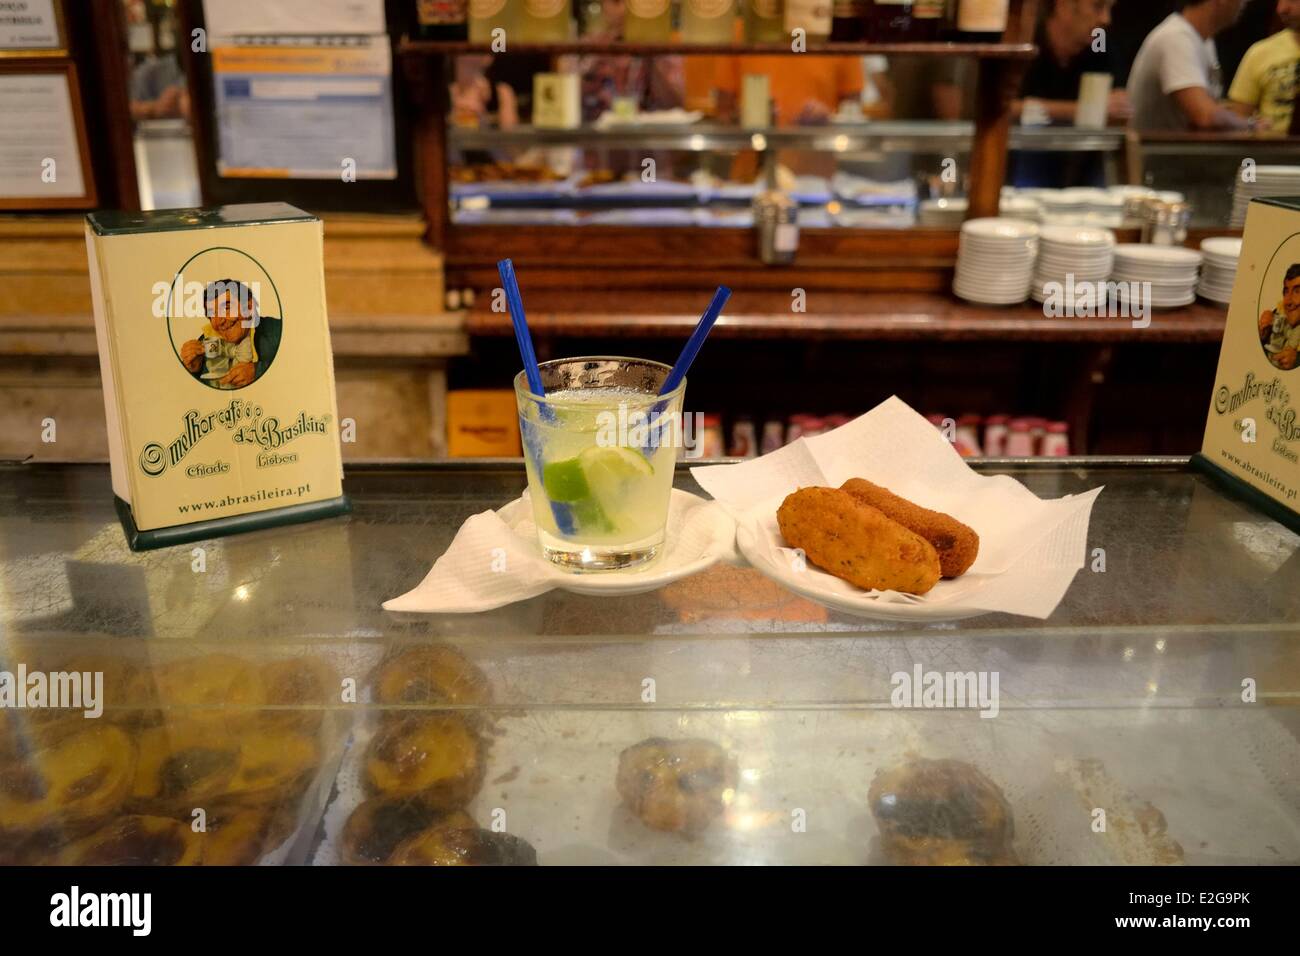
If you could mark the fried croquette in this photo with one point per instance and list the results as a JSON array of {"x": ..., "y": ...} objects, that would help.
[
  {"x": 956, "y": 543},
  {"x": 854, "y": 541}
]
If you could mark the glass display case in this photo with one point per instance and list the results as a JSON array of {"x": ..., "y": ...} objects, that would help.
[{"x": 256, "y": 704}]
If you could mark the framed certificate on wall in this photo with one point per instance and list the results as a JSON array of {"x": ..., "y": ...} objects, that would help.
[
  {"x": 47, "y": 165},
  {"x": 32, "y": 28}
]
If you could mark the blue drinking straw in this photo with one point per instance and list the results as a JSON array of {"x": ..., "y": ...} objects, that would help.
[
  {"x": 506, "y": 269},
  {"x": 692, "y": 347}
]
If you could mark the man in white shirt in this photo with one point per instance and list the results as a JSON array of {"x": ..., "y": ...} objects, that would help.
[{"x": 1176, "y": 82}]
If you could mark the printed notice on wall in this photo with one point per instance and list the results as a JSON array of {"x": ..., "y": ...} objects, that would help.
[
  {"x": 44, "y": 162},
  {"x": 286, "y": 17},
  {"x": 28, "y": 25},
  {"x": 307, "y": 110}
]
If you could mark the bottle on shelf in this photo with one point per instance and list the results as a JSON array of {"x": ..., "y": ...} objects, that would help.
[
  {"x": 982, "y": 21},
  {"x": 848, "y": 19},
  {"x": 811, "y": 16},
  {"x": 648, "y": 21},
  {"x": 488, "y": 15},
  {"x": 764, "y": 21},
  {"x": 1056, "y": 443},
  {"x": 744, "y": 443},
  {"x": 888, "y": 21},
  {"x": 708, "y": 21},
  {"x": 995, "y": 435},
  {"x": 773, "y": 436},
  {"x": 929, "y": 20},
  {"x": 544, "y": 21},
  {"x": 1020, "y": 443},
  {"x": 441, "y": 20}
]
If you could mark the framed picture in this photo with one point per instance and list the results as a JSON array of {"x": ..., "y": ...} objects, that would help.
[
  {"x": 48, "y": 166},
  {"x": 32, "y": 28}
]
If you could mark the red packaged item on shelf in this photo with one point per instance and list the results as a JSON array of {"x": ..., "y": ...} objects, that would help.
[
  {"x": 711, "y": 443},
  {"x": 813, "y": 425},
  {"x": 744, "y": 443},
  {"x": 995, "y": 435},
  {"x": 1037, "y": 429},
  {"x": 773, "y": 436},
  {"x": 1056, "y": 443},
  {"x": 967, "y": 441},
  {"x": 1020, "y": 441}
]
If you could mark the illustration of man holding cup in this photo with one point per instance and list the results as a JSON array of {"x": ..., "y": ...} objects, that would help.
[
  {"x": 237, "y": 343},
  {"x": 1279, "y": 328}
]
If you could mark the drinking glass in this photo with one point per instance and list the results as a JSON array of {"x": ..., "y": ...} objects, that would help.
[{"x": 600, "y": 448}]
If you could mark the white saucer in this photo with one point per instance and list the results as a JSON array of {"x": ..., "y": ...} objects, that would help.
[{"x": 700, "y": 534}]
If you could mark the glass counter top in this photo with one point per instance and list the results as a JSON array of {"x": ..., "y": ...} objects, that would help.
[{"x": 719, "y": 720}]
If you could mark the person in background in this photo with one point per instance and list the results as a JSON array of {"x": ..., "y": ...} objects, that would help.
[
  {"x": 655, "y": 83},
  {"x": 1176, "y": 82},
  {"x": 806, "y": 90},
  {"x": 1066, "y": 51},
  {"x": 158, "y": 89},
  {"x": 929, "y": 88},
  {"x": 1265, "y": 83}
]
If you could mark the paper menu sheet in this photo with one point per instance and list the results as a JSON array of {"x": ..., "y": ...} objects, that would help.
[
  {"x": 311, "y": 111},
  {"x": 281, "y": 17},
  {"x": 43, "y": 160}
]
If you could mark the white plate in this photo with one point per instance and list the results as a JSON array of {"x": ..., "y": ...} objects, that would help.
[
  {"x": 999, "y": 229},
  {"x": 1222, "y": 247},
  {"x": 1076, "y": 236},
  {"x": 1175, "y": 256},
  {"x": 862, "y": 604}
]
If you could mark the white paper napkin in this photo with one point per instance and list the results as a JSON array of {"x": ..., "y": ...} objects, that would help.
[
  {"x": 495, "y": 559},
  {"x": 1030, "y": 548}
]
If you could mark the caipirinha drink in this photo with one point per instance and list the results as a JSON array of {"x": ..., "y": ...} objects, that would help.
[{"x": 600, "y": 449}]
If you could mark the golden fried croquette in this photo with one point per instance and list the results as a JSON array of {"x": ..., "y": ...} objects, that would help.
[
  {"x": 856, "y": 542},
  {"x": 956, "y": 543},
  {"x": 676, "y": 785}
]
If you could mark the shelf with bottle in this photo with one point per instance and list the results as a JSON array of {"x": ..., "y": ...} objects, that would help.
[
  {"x": 976, "y": 28},
  {"x": 889, "y": 136}
]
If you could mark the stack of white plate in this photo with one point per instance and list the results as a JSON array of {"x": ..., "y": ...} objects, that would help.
[
  {"x": 1172, "y": 271},
  {"x": 1086, "y": 254},
  {"x": 1268, "y": 181},
  {"x": 1021, "y": 207},
  {"x": 995, "y": 261},
  {"x": 941, "y": 213},
  {"x": 950, "y": 213},
  {"x": 1221, "y": 255}
]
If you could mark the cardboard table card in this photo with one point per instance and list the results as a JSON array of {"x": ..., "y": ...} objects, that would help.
[
  {"x": 218, "y": 377},
  {"x": 1252, "y": 432}
]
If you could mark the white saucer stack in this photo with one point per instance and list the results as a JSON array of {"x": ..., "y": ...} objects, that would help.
[
  {"x": 941, "y": 213},
  {"x": 1220, "y": 271},
  {"x": 1172, "y": 271},
  {"x": 1268, "y": 181},
  {"x": 1085, "y": 253},
  {"x": 995, "y": 261}
]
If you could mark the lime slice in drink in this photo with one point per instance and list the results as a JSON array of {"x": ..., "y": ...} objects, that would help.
[
  {"x": 565, "y": 480},
  {"x": 612, "y": 475}
]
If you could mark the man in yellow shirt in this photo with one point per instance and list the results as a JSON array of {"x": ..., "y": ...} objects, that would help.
[{"x": 1266, "y": 80}]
